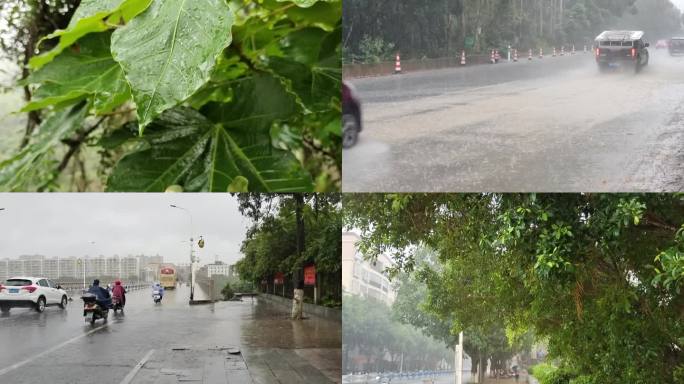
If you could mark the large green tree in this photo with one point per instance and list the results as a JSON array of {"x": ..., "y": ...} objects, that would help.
[
  {"x": 598, "y": 276},
  {"x": 440, "y": 28},
  {"x": 289, "y": 231}
]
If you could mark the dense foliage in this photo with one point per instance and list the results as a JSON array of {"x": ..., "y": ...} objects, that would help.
[
  {"x": 599, "y": 277},
  {"x": 376, "y": 29},
  {"x": 273, "y": 242},
  {"x": 485, "y": 340},
  {"x": 146, "y": 95},
  {"x": 369, "y": 329}
]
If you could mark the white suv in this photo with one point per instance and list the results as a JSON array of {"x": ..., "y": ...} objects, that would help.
[{"x": 31, "y": 292}]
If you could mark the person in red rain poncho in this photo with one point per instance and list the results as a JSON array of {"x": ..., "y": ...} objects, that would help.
[{"x": 119, "y": 291}]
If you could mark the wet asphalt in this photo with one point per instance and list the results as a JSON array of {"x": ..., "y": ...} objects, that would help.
[
  {"x": 548, "y": 125},
  {"x": 57, "y": 346}
]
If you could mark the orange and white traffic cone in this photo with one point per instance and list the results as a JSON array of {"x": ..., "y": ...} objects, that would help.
[
  {"x": 493, "y": 60},
  {"x": 554, "y": 52},
  {"x": 529, "y": 58},
  {"x": 541, "y": 53},
  {"x": 515, "y": 55},
  {"x": 463, "y": 60},
  {"x": 562, "y": 50},
  {"x": 397, "y": 65}
]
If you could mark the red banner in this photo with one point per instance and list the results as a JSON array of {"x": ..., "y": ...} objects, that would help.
[
  {"x": 279, "y": 278},
  {"x": 310, "y": 275}
]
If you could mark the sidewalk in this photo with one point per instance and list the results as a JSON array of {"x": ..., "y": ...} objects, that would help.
[{"x": 249, "y": 342}]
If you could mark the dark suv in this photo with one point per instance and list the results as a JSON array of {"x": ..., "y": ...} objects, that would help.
[
  {"x": 351, "y": 116},
  {"x": 621, "y": 49},
  {"x": 676, "y": 46}
]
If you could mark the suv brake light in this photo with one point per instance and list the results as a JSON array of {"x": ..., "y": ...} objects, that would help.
[
  {"x": 598, "y": 51},
  {"x": 2, "y": 287},
  {"x": 633, "y": 52},
  {"x": 30, "y": 288}
]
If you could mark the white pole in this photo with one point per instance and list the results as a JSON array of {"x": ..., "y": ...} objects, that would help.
[
  {"x": 401, "y": 365},
  {"x": 459, "y": 359}
]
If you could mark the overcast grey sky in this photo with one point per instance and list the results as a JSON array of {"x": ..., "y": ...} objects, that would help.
[{"x": 65, "y": 224}]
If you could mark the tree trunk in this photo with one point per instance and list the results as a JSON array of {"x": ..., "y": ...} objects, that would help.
[
  {"x": 483, "y": 368},
  {"x": 298, "y": 296}
]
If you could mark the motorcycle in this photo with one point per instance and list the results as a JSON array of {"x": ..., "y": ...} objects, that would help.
[
  {"x": 92, "y": 310},
  {"x": 117, "y": 302},
  {"x": 157, "y": 297}
]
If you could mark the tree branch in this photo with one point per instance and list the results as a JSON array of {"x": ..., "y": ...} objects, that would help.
[{"x": 74, "y": 145}]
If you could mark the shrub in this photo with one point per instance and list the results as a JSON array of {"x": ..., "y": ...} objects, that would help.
[
  {"x": 584, "y": 379},
  {"x": 227, "y": 292},
  {"x": 542, "y": 371},
  {"x": 559, "y": 376}
]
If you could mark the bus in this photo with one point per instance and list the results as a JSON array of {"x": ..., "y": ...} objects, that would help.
[{"x": 167, "y": 277}]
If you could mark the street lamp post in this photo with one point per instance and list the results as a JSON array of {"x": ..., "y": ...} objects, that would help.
[{"x": 193, "y": 259}]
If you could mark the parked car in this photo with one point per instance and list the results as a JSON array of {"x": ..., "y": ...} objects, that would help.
[
  {"x": 661, "y": 44},
  {"x": 621, "y": 49},
  {"x": 31, "y": 292},
  {"x": 676, "y": 46},
  {"x": 351, "y": 116}
]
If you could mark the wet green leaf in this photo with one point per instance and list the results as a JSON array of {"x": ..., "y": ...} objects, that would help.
[
  {"x": 91, "y": 16},
  {"x": 168, "y": 52},
  {"x": 15, "y": 172},
  {"x": 185, "y": 148},
  {"x": 99, "y": 76},
  {"x": 239, "y": 184}
]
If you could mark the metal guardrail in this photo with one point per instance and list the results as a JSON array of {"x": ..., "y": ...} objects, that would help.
[
  {"x": 379, "y": 378},
  {"x": 77, "y": 288}
]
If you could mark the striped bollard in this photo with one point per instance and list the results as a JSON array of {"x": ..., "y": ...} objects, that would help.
[{"x": 397, "y": 65}]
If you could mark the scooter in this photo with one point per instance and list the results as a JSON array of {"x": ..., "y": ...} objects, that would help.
[
  {"x": 117, "y": 302},
  {"x": 157, "y": 297},
  {"x": 92, "y": 310}
]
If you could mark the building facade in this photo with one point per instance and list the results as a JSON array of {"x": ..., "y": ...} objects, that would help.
[
  {"x": 218, "y": 268},
  {"x": 70, "y": 267},
  {"x": 360, "y": 277}
]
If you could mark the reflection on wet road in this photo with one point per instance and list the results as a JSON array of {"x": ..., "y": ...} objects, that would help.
[
  {"x": 57, "y": 346},
  {"x": 541, "y": 126}
]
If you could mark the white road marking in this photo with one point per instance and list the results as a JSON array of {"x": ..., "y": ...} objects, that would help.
[
  {"x": 137, "y": 367},
  {"x": 56, "y": 347}
]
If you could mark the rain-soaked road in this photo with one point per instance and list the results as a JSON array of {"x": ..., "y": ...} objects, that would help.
[
  {"x": 58, "y": 347},
  {"x": 554, "y": 124}
]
